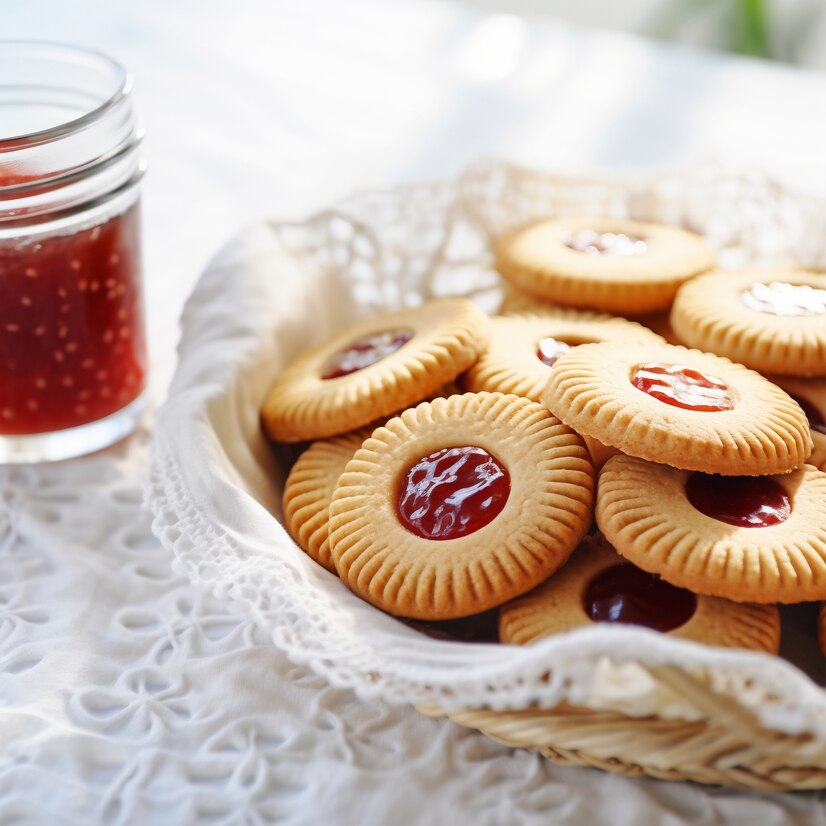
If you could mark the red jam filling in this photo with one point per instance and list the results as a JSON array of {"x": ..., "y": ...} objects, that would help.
[
  {"x": 364, "y": 352},
  {"x": 452, "y": 493},
  {"x": 815, "y": 417},
  {"x": 612, "y": 244},
  {"x": 624, "y": 593},
  {"x": 548, "y": 350},
  {"x": 72, "y": 347},
  {"x": 777, "y": 298},
  {"x": 683, "y": 387},
  {"x": 744, "y": 501}
]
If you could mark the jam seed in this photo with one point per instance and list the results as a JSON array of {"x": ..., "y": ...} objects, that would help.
[
  {"x": 110, "y": 282},
  {"x": 105, "y": 392},
  {"x": 58, "y": 356},
  {"x": 114, "y": 259},
  {"x": 64, "y": 308},
  {"x": 108, "y": 336},
  {"x": 39, "y": 331},
  {"x": 7, "y": 413},
  {"x": 101, "y": 375},
  {"x": 31, "y": 404},
  {"x": 61, "y": 291},
  {"x": 67, "y": 381},
  {"x": 94, "y": 286},
  {"x": 83, "y": 285},
  {"x": 75, "y": 264},
  {"x": 122, "y": 314},
  {"x": 71, "y": 347},
  {"x": 26, "y": 301},
  {"x": 30, "y": 272},
  {"x": 62, "y": 331},
  {"x": 124, "y": 332},
  {"x": 84, "y": 395},
  {"x": 87, "y": 364},
  {"x": 13, "y": 328},
  {"x": 40, "y": 383},
  {"x": 80, "y": 409}
]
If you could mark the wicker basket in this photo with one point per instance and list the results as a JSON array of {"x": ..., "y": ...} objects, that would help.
[{"x": 726, "y": 746}]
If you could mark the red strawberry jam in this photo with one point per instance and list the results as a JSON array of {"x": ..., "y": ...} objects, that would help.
[
  {"x": 683, "y": 387},
  {"x": 744, "y": 501},
  {"x": 778, "y": 298},
  {"x": 624, "y": 593},
  {"x": 365, "y": 351},
  {"x": 72, "y": 347},
  {"x": 452, "y": 492},
  {"x": 613, "y": 244},
  {"x": 548, "y": 350},
  {"x": 815, "y": 417}
]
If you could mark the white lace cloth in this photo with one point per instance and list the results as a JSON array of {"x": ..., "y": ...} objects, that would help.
[{"x": 128, "y": 696}]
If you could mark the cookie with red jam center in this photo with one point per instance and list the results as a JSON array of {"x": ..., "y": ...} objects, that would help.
[
  {"x": 597, "y": 586},
  {"x": 459, "y": 505},
  {"x": 755, "y": 539},
  {"x": 374, "y": 369},
  {"x": 810, "y": 394},
  {"x": 771, "y": 321},
  {"x": 608, "y": 264},
  {"x": 523, "y": 348},
  {"x": 679, "y": 407}
]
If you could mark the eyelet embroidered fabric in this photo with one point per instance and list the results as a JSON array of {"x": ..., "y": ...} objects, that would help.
[{"x": 215, "y": 483}]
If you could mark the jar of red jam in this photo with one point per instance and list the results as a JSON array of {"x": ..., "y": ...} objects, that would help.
[{"x": 72, "y": 342}]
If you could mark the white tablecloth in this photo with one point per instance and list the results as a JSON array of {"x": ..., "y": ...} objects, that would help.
[{"x": 126, "y": 696}]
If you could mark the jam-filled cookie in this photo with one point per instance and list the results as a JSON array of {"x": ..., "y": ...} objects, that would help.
[
  {"x": 309, "y": 491},
  {"x": 679, "y": 407},
  {"x": 810, "y": 394},
  {"x": 768, "y": 322},
  {"x": 747, "y": 538},
  {"x": 459, "y": 505},
  {"x": 373, "y": 369},
  {"x": 597, "y": 585},
  {"x": 609, "y": 264},
  {"x": 523, "y": 348}
]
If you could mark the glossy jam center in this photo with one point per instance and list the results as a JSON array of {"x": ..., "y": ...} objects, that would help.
[
  {"x": 548, "y": 350},
  {"x": 778, "y": 298},
  {"x": 815, "y": 417},
  {"x": 605, "y": 243},
  {"x": 744, "y": 501},
  {"x": 453, "y": 492},
  {"x": 365, "y": 351},
  {"x": 683, "y": 387},
  {"x": 624, "y": 593}
]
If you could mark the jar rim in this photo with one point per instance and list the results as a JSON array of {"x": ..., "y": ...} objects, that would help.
[{"x": 122, "y": 87}]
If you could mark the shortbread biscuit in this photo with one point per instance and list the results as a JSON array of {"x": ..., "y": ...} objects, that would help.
[
  {"x": 459, "y": 505},
  {"x": 679, "y": 407},
  {"x": 309, "y": 491},
  {"x": 598, "y": 585},
  {"x": 609, "y": 264},
  {"x": 373, "y": 369},
  {"x": 770, "y": 322},
  {"x": 810, "y": 394},
  {"x": 749, "y": 539},
  {"x": 523, "y": 348},
  {"x": 515, "y": 300}
]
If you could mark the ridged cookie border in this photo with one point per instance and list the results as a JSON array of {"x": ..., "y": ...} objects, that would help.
[
  {"x": 644, "y": 513},
  {"x": 546, "y": 514}
]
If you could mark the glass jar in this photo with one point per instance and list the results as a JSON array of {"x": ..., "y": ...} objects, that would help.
[{"x": 72, "y": 341}]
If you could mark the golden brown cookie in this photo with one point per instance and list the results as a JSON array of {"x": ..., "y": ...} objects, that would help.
[
  {"x": 460, "y": 504},
  {"x": 810, "y": 394},
  {"x": 374, "y": 368},
  {"x": 769, "y": 322},
  {"x": 609, "y": 264},
  {"x": 515, "y": 300},
  {"x": 750, "y": 539},
  {"x": 679, "y": 407},
  {"x": 597, "y": 585},
  {"x": 523, "y": 348},
  {"x": 309, "y": 491}
]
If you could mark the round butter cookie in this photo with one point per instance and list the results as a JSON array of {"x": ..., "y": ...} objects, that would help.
[
  {"x": 810, "y": 394},
  {"x": 771, "y": 322},
  {"x": 597, "y": 585},
  {"x": 609, "y": 264},
  {"x": 679, "y": 407},
  {"x": 373, "y": 369},
  {"x": 515, "y": 300},
  {"x": 523, "y": 348},
  {"x": 459, "y": 505},
  {"x": 309, "y": 488},
  {"x": 746, "y": 538}
]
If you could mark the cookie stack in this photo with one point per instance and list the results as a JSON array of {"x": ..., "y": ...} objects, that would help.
[{"x": 472, "y": 500}]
